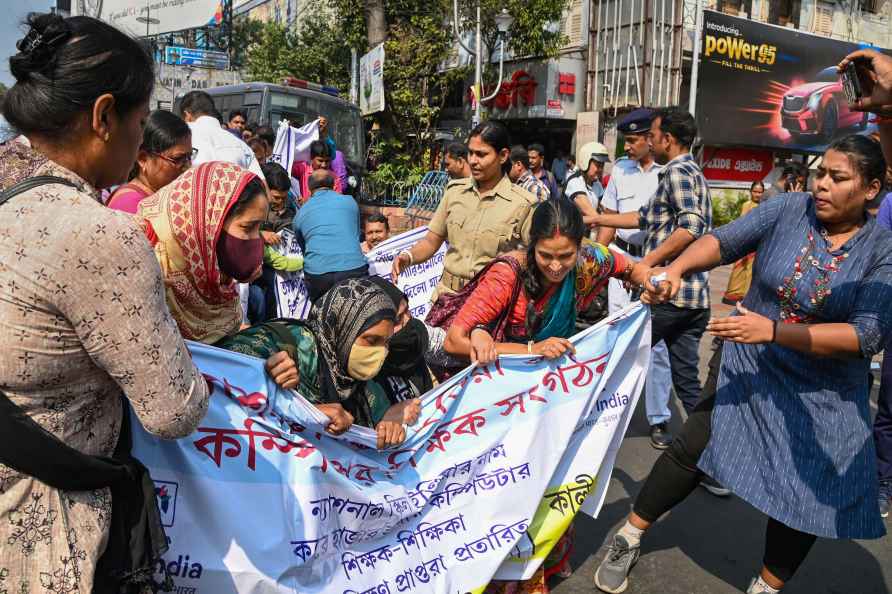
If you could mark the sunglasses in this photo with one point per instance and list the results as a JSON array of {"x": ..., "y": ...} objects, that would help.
[{"x": 182, "y": 160}]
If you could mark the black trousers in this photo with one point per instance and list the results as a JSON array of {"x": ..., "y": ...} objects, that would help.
[
  {"x": 675, "y": 476},
  {"x": 319, "y": 284},
  {"x": 681, "y": 329}
]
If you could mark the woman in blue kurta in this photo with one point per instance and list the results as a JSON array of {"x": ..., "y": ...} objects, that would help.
[{"x": 788, "y": 427}]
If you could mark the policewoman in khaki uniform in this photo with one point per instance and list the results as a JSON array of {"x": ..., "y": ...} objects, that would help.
[{"x": 481, "y": 217}]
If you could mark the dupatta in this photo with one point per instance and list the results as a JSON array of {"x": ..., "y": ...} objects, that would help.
[{"x": 183, "y": 221}]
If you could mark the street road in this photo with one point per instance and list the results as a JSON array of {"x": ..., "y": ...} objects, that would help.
[{"x": 711, "y": 545}]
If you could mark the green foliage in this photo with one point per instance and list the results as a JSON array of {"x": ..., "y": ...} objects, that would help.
[
  {"x": 245, "y": 33},
  {"x": 316, "y": 53},
  {"x": 528, "y": 35},
  {"x": 726, "y": 205}
]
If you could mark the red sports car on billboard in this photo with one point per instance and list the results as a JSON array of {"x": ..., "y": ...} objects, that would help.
[{"x": 819, "y": 109}]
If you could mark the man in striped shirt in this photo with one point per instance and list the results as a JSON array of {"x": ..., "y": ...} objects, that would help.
[{"x": 521, "y": 175}]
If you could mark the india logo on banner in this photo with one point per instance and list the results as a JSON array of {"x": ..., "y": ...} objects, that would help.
[
  {"x": 261, "y": 499},
  {"x": 417, "y": 282}
]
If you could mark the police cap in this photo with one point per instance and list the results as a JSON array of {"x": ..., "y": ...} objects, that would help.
[{"x": 636, "y": 122}]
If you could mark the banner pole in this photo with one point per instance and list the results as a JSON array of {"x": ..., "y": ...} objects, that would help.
[{"x": 695, "y": 64}]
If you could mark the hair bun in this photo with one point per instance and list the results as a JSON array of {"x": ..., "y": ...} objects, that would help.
[{"x": 47, "y": 33}]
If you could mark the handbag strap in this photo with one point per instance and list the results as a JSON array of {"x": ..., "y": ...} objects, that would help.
[{"x": 31, "y": 183}]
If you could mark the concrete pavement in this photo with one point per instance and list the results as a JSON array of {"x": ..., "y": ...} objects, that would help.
[{"x": 710, "y": 545}]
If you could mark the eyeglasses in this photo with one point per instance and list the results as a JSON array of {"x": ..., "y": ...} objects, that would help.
[{"x": 182, "y": 160}]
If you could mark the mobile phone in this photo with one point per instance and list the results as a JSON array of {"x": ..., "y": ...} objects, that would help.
[{"x": 851, "y": 83}]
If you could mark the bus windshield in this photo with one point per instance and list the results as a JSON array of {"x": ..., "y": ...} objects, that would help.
[{"x": 345, "y": 123}]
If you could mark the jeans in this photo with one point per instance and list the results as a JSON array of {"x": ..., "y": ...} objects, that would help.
[
  {"x": 319, "y": 284},
  {"x": 658, "y": 387},
  {"x": 882, "y": 424},
  {"x": 675, "y": 475},
  {"x": 256, "y": 305},
  {"x": 681, "y": 329}
]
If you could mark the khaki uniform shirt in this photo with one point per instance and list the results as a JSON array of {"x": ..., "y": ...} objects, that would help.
[{"x": 480, "y": 228}]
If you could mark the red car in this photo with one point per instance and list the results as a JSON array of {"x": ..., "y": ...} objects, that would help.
[{"x": 818, "y": 109}]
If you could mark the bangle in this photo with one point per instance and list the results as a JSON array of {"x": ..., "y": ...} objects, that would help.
[
  {"x": 408, "y": 253},
  {"x": 627, "y": 273},
  {"x": 530, "y": 347},
  {"x": 479, "y": 327},
  {"x": 774, "y": 332}
]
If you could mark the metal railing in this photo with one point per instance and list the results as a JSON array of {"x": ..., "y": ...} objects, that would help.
[{"x": 420, "y": 200}]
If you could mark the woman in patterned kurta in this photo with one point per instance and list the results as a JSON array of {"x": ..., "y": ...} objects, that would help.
[
  {"x": 568, "y": 271},
  {"x": 790, "y": 430},
  {"x": 82, "y": 310}
]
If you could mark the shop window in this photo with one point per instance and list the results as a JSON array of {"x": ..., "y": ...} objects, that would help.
[{"x": 784, "y": 12}]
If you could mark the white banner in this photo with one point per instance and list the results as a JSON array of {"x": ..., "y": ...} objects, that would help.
[
  {"x": 417, "y": 282},
  {"x": 172, "y": 15},
  {"x": 261, "y": 499},
  {"x": 371, "y": 81}
]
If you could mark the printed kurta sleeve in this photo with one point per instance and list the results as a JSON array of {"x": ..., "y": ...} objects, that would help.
[
  {"x": 129, "y": 332},
  {"x": 688, "y": 204},
  {"x": 490, "y": 298},
  {"x": 871, "y": 315},
  {"x": 742, "y": 236},
  {"x": 595, "y": 266}
]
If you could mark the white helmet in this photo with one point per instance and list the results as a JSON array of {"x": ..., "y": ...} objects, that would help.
[{"x": 592, "y": 151}]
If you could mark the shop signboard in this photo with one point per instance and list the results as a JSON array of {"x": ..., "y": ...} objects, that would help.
[
  {"x": 772, "y": 87},
  {"x": 163, "y": 16},
  {"x": 199, "y": 58},
  {"x": 739, "y": 166}
]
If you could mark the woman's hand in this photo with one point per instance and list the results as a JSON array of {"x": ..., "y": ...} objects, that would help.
[
  {"x": 747, "y": 328},
  {"x": 553, "y": 348},
  {"x": 270, "y": 238},
  {"x": 390, "y": 433},
  {"x": 483, "y": 347},
  {"x": 640, "y": 274},
  {"x": 282, "y": 368},
  {"x": 878, "y": 68},
  {"x": 340, "y": 419},
  {"x": 405, "y": 412},
  {"x": 663, "y": 291},
  {"x": 400, "y": 263}
]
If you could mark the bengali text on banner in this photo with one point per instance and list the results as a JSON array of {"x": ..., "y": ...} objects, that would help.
[{"x": 260, "y": 499}]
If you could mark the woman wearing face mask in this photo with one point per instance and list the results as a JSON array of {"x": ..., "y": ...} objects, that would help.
[
  {"x": 166, "y": 152},
  {"x": 342, "y": 345},
  {"x": 787, "y": 428},
  {"x": 742, "y": 273},
  {"x": 205, "y": 230}
]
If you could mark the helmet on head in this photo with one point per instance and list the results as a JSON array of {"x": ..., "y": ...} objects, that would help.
[{"x": 592, "y": 151}]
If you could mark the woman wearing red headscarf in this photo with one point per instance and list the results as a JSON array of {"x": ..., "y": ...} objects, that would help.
[{"x": 205, "y": 230}]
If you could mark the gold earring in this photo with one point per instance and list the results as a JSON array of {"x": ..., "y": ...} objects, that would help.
[{"x": 106, "y": 137}]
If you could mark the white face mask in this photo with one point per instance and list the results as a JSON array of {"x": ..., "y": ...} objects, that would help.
[{"x": 365, "y": 361}]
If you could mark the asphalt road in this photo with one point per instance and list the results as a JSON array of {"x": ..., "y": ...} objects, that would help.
[{"x": 710, "y": 545}]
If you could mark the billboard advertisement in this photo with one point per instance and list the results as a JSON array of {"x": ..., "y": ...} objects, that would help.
[
  {"x": 772, "y": 87},
  {"x": 736, "y": 166},
  {"x": 152, "y": 17}
]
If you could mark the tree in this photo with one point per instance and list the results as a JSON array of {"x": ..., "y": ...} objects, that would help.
[{"x": 316, "y": 52}]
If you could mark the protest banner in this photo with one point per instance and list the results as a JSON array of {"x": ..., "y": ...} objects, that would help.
[
  {"x": 261, "y": 499},
  {"x": 417, "y": 282}
]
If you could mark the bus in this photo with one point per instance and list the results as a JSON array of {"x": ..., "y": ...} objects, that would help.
[{"x": 299, "y": 102}]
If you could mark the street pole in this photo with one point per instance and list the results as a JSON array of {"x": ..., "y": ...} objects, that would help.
[
  {"x": 478, "y": 73},
  {"x": 695, "y": 64}
]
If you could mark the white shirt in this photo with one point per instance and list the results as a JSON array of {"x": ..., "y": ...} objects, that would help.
[
  {"x": 216, "y": 144},
  {"x": 577, "y": 185},
  {"x": 630, "y": 188}
]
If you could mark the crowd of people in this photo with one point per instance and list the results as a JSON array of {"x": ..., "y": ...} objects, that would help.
[{"x": 88, "y": 286}]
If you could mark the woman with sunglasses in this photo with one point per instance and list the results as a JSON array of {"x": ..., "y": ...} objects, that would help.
[{"x": 165, "y": 153}]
